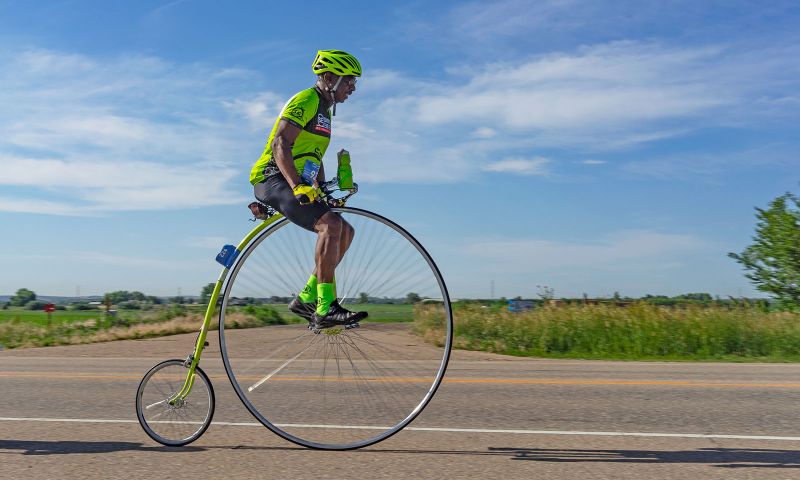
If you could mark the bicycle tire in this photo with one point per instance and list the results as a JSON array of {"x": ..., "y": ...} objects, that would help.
[
  {"x": 290, "y": 389},
  {"x": 173, "y": 425}
]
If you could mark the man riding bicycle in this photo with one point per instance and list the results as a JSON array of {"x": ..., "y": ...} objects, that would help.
[{"x": 287, "y": 175}]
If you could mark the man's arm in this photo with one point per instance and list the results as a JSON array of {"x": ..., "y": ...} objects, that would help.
[{"x": 285, "y": 136}]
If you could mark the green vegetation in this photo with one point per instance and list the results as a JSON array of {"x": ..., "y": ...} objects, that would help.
[
  {"x": 37, "y": 317},
  {"x": 22, "y": 297},
  {"x": 141, "y": 318},
  {"x": 640, "y": 331},
  {"x": 773, "y": 260},
  {"x": 24, "y": 328}
]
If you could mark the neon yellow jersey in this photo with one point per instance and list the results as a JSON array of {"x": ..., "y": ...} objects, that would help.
[{"x": 306, "y": 110}]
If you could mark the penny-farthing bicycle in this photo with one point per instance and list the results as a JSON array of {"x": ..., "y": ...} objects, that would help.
[{"x": 337, "y": 388}]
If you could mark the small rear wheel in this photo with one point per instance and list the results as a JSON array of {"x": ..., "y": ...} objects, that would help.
[{"x": 185, "y": 419}]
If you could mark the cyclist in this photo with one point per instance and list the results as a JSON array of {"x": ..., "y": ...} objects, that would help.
[{"x": 289, "y": 171}]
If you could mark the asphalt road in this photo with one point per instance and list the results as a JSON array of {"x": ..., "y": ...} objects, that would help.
[{"x": 68, "y": 412}]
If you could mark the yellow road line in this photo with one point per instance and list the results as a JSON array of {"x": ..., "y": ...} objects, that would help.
[{"x": 499, "y": 381}]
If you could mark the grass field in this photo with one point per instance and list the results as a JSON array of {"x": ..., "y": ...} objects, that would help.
[
  {"x": 28, "y": 328},
  {"x": 59, "y": 317},
  {"x": 637, "y": 332}
]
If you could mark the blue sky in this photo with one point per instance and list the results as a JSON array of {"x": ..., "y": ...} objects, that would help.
[{"x": 588, "y": 146}]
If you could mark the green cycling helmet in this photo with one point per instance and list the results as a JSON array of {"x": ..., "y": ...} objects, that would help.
[{"x": 337, "y": 62}]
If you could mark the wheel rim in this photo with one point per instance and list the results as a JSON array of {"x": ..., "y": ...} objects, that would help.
[
  {"x": 339, "y": 389},
  {"x": 179, "y": 424}
]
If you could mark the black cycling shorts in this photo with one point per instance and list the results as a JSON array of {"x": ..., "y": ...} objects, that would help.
[{"x": 275, "y": 192}]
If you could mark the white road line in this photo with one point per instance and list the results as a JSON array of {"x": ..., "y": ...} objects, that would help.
[{"x": 435, "y": 429}]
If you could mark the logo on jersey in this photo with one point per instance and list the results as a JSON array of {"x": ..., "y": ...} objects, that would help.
[
  {"x": 323, "y": 124},
  {"x": 297, "y": 112}
]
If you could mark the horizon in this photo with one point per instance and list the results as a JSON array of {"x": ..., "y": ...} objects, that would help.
[{"x": 586, "y": 146}]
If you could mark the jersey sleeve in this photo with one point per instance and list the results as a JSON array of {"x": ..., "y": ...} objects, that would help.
[{"x": 301, "y": 108}]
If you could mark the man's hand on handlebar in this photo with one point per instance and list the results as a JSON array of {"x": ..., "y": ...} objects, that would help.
[{"x": 305, "y": 194}]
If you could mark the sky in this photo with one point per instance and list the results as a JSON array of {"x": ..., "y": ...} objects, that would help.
[{"x": 585, "y": 146}]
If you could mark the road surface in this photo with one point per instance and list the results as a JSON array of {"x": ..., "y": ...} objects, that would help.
[{"x": 68, "y": 412}]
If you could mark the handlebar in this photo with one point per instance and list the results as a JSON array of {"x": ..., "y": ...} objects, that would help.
[{"x": 330, "y": 187}]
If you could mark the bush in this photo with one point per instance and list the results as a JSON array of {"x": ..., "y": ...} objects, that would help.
[
  {"x": 36, "y": 305},
  {"x": 264, "y": 315},
  {"x": 130, "y": 305},
  {"x": 172, "y": 311},
  {"x": 82, "y": 306}
]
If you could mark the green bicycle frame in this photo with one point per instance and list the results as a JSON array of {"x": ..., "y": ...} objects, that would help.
[{"x": 194, "y": 358}]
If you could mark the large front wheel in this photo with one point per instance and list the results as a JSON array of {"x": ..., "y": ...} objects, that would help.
[{"x": 339, "y": 388}]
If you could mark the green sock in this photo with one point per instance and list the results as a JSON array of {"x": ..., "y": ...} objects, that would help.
[
  {"x": 309, "y": 293},
  {"x": 324, "y": 298}
]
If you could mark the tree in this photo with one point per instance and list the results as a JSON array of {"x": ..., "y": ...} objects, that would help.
[
  {"x": 205, "y": 293},
  {"x": 773, "y": 260},
  {"x": 413, "y": 298},
  {"x": 22, "y": 298},
  {"x": 363, "y": 297},
  {"x": 545, "y": 292}
]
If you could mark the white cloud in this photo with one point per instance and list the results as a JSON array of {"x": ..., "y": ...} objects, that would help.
[
  {"x": 535, "y": 166},
  {"x": 126, "y": 133},
  {"x": 261, "y": 111},
  {"x": 156, "y": 131},
  {"x": 597, "y": 99},
  {"x": 605, "y": 86},
  {"x": 484, "y": 132},
  {"x": 105, "y": 186},
  {"x": 593, "y": 162},
  {"x": 37, "y": 205},
  {"x": 621, "y": 250},
  {"x": 487, "y": 20}
]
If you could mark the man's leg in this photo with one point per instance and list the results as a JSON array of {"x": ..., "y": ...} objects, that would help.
[
  {"x": 309, "y": 293},
  {"x": 334, "y": 237},
  {"x": 329, "y": 232}
]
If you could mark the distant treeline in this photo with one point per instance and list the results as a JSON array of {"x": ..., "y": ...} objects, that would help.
[{"x": 701, "y": 299}]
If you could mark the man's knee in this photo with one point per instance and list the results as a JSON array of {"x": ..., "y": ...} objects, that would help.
[
  {"x": 347, "y": 230},
  {"x": 330, "y": 225}
]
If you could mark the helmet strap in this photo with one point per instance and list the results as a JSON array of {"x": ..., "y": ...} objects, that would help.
[{"x": 332, "y": 91}]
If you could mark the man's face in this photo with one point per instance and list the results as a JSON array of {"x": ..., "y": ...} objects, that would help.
[{"x": 346, "y": 87}]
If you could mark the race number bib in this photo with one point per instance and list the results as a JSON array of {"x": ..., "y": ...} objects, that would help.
[{"x": 310, "y": 171}]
